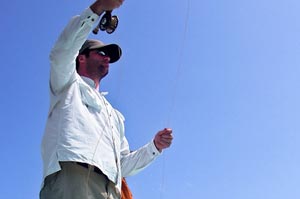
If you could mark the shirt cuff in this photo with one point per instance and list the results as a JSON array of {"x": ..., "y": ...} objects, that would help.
[
  {"x": 89, "y": 16},
  {"x": 153, "y": 150}
]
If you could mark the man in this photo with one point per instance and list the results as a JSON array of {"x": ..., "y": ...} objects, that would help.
[{"x": 84, "y": 149}]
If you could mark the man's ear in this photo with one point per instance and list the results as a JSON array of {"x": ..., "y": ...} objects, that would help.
[{"x": 81, "y": 58}]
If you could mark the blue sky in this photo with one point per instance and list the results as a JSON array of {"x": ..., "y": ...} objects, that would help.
[{"x": 228, "y": 84}]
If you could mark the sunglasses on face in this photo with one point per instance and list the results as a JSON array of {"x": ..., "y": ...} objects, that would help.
[{"x": 100, "y": 52}]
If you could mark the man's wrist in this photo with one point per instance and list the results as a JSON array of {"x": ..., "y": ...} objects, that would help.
[
  {"x": 160, "y": 150},
  {"x": 97, "y": 8}
]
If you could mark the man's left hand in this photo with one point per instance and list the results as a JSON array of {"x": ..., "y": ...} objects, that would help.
[{"x": 163, "y": 139}]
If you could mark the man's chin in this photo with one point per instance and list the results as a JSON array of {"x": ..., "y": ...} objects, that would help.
[
  {"x": 103, "y": 74},
  {"x": 103, "y": 70}
]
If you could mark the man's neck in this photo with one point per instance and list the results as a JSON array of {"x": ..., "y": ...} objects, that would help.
[{"x": 92, "y": 82}]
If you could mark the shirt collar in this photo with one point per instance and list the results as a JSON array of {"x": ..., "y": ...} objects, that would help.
[
  {"x": 89, "y": 81},
  {"x": 92, "y": 84}
]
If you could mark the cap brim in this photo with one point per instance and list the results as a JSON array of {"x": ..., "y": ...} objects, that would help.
[{"x": 112, "y": 50}]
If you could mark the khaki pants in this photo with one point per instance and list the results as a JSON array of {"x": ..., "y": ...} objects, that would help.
[{"x": 75, "y": 182}]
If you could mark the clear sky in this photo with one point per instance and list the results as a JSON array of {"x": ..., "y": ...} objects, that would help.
[{"x": 223, "y": 74}]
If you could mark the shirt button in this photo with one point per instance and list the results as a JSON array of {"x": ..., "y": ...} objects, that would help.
[{"x": 153, "y": 153}]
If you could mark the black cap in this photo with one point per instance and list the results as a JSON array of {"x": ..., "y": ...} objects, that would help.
[{"x": 112, "y": 50}]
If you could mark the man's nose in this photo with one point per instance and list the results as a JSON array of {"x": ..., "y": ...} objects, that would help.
[{"x": 106, "y": 58}]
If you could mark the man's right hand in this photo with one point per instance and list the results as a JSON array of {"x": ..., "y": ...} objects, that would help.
[{"x": 104, "y": 5}]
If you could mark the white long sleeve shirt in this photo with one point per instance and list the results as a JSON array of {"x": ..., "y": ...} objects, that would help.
[{"x": 82, "y": 126}]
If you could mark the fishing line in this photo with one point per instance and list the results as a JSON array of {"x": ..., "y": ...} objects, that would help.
[
  {"x": 174, "y": 92},
  {"x": 179, "y": 66},
  {"x": 108, "y": 129}
]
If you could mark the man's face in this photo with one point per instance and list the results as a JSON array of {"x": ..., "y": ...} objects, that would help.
[{"x": 97, "y": 64}]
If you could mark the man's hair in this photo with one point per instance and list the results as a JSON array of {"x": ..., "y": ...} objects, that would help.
[{"x": 86, "y": 52}]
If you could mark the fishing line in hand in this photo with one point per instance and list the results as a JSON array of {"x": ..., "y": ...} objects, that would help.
[{"x": 174, "y": 92}]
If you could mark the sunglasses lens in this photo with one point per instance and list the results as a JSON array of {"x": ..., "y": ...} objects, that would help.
[{"x": 101, "y": 53}]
